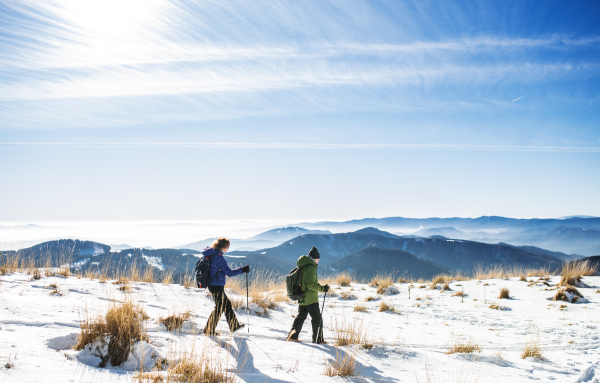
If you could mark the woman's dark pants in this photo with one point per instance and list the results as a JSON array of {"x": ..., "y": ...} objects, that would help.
[{"x": 222, "y": 303}]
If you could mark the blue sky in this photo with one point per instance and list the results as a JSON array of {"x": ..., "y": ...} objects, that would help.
[{"x": 153, "y": 109}]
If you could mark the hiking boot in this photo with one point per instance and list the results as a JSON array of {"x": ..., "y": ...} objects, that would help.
[
  {"x": 293, "y": 340},
  {"x": 238, "y": 328},
  {"x": 322, "y": 342}
]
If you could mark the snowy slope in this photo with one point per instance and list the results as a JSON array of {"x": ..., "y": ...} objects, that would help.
[{"x": 37, "y": 329}]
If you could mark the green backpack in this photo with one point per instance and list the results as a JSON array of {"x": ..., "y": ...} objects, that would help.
[{"x": 294, "y": 284}]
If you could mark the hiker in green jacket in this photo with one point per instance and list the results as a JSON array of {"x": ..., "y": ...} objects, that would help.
[{"x": 310, "y": 303}]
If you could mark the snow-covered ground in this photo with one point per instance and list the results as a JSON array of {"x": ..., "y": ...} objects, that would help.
[{"x": 37, "y": 329}]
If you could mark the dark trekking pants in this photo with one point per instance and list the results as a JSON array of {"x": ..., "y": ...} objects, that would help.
[
  {"x": 222, "y": 303},
  {"x": 315, "y": 319}
]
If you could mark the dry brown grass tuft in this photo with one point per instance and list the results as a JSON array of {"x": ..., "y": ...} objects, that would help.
[
  {"x": 361, "y": 308},
  {"x": 237, "y": 303},
  {"x": 463, "y": 347},
  {"x": 175, "y": 321},
  {"x": 124, "y": 288},
  {"x": 381, "y": 281},
  {"x": 36, "y": 274},
  {"x": 561, "y": 296},
  {"x": 65, "y": 271},
  {"x": 532, "y": 349},
  {"x": 264, "y": 303},
  {"x": 346, "y": 295},
  {"x": 167, "y": 278},
  {"x": 439, "y": 279},
  {"x": 459, "y": 294},
  {"x": 573, "y": 271},
  {"x": 433, "y": 286},
  {"x": 402, "y": 280},
  {"x": 343, "y": 365},
  {"x": 369, "y": 299},
  {"x": 504, "y": 293},
  {"x": 523, "y": 278},
  {"x": 280, "y": 296},
  {"x": 494, "y": 306},
  {"x": 148, "y": 275},
  {"x": 343, "y": 279},
  {"x": 349, "y": 331},
  {"x": 200, "y": 369},
  {"x": 122, "y": 323},
  {"x": 383, "y": 306}
]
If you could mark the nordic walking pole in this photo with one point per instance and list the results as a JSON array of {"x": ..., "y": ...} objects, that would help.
[
  {"x": 321, "y": 325},
  {"x": 247, "y": 307}
]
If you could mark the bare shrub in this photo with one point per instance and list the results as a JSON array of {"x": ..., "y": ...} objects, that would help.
[
  {"x": 175, "y": 321},
  {"x": 504, "y": 293},
  {"x": 532, "y": 349},
  {"x": 343, "y": 365},
  {"x": 459, "y": 347},
  {"x": 383, "y": 306},
  {"x": 360, "y": 308},
  {"x": 122, "y": 323}
]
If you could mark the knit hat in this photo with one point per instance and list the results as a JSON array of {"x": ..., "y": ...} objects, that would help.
[{"x": 314, "y": 253}]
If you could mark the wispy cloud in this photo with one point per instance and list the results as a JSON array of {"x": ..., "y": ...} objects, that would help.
[
  {"x": 518, "y": 98},
  {"x": 141, "y": 59},
  {"x": 305, "y": 146}
]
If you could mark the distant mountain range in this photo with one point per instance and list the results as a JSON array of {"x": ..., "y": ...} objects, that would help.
[
  {"x": 368, "y": 262},
  {"x": 267, "y": 239},
  {"x": 435, "y": 245},
  {"x": 458, "y": 255}
]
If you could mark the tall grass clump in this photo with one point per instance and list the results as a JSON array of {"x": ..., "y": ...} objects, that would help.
[
  {"x": 349, "y": 331},
  {"x": 533, "y": 349},
  {"x": 343, "y": 279},
  {"x": 504, "y": 293},
  {"x": 343, "y": 365},
  {"x": 572, "y": 272},
  {"x": 175, "y": 321},
  {"x": 122, "y": 324},
  {"x": 459, "y": 347}
]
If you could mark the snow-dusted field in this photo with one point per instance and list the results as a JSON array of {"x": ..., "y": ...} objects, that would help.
[{"x": 36, "y": 330}]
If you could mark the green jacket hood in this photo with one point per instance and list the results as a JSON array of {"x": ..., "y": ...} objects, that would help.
[{"x": 306, "y": 260}]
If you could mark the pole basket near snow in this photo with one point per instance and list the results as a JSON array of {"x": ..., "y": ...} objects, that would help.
[{"x": 247, "y": 305}]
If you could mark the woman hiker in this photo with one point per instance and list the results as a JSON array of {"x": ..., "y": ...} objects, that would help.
[
  {"x": 310, "y": 303},
  {"x": 218, "y": 273}
]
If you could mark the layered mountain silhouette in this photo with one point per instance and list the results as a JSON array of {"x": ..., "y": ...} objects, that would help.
[
  {"x": 455, "y": 254},
  {"x": 565, "y": 238},
  {"x": 366, "y": 263}
]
